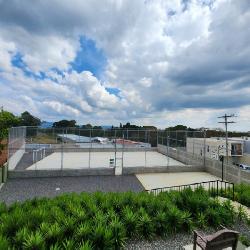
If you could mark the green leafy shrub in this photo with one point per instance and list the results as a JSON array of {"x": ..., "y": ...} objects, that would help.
[
  {"x": 244, "y": 240},
  {"x": 34, "y": 241},
  {"x": 201, "y": 220},
  {"x": 52, "y": 233},
  {"x": 3, "y": 208},
  {"x": 4, "y": 243},
  {"x": 85, "y": 246},
  {"x": 118, "y": 233},
  {"x": 130, "y": 221},
  {"x": 68, "y": 244},
  {"x": 145, "y": 225},
  {"x": 83, "y": 232},
  {"x": 106, "y": 220},
  {"x": 21, "y": 236},
  {"x": 160, "y": 223},
  {"x": 102, "y": 237}
]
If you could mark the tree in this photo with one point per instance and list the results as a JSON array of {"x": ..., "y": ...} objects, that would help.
[
  {"x": 87, "y": 126},
  {"x": 64, "y": 124},
  {"x": 7, "y": 120},
  {"x": 128, "y": 125},
  {"x": 29, "y": 120},
  {"x": 177, "y": 127}
]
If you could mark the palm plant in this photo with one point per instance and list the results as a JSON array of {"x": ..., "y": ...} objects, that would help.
[
  {"x": 130, "y": 221},
  {"x": 145, "y": 226},
  {"x": 102, "y": 237},
  {"x": 4, "y": 243},
  {"x": 34, "y": 241},
  {"x": 118, "y": 233}
]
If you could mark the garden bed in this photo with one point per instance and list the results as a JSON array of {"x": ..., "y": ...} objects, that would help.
[{"x": 110, "y": 220}]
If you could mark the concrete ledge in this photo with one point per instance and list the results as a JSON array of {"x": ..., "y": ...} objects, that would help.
[
  {"x": 58, "y": 173},
  {"x": 75, "y": 149},
  {"x": 161, "y": 169}
]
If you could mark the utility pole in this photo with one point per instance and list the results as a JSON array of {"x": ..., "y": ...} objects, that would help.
[{"x": 226, "y": 122}]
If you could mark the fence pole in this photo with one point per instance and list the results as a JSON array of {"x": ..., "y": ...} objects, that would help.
[
  {"x": 157, "y": 138},
  {"x": 168, "y": 149},
  {"x": 115, "y": 148},
  {"x": 90, "y": 135},
  {"x": 145, "y": 140},
  {"x": 204, "y": 135},
  {"x": 62, "y": 150},
  {"x": 233, "y": 191},
  {"x": 176, "y": 143},
  {"x": 217, "y": 188},
  {"x": 122, "y": 147}
]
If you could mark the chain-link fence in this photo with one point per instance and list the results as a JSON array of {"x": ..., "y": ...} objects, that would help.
[
  {"x": 124, "y": 151},
  {"x": 77, "y": 148},
  {"x": 33, "y": 148}
]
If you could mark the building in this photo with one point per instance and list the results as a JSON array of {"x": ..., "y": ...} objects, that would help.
[{"x": 214, "y": 147}]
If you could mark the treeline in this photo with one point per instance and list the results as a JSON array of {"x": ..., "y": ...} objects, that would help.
[{"x": 8, "y": 120}]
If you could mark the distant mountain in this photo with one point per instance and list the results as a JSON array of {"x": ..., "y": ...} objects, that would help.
[
  {"x": 106, "y": 126},
  {"x": 45, "y": 124}
]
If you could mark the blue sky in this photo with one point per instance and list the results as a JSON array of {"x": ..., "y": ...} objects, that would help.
[
  {"x": 148, "y": 62},
  {"x": 89, "y": 58}
]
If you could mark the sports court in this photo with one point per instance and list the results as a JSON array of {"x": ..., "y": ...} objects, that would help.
[{"x": 82, "y": 160}]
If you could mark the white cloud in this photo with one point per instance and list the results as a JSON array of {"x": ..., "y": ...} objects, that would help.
[{"x": 172, "y": 62}]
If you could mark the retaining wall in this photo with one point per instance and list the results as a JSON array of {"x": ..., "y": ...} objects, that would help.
[
  {"x": 232, "y": 173},
  {"x": 16, "y": 157},
  {"x": 58, "y": 173},
  {"x": 163, "y": 169},
  {"x": 181, "y": 155}
]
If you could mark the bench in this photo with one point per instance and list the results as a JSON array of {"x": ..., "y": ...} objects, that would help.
[{"x": 222, "y": 239}]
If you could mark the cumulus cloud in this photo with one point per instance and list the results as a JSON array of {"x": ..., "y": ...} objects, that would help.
[{"x": 168, "y": 59}]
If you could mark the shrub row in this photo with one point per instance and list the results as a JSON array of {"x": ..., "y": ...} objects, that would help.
[
  {"x": 242, "y": 194},
  {"x": 107, "y": 220}
]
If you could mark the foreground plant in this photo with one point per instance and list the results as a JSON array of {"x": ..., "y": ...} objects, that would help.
[{"x": 107, "y": 220}]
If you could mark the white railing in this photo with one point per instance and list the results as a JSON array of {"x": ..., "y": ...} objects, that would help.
[{"x": 36, "y": 153}]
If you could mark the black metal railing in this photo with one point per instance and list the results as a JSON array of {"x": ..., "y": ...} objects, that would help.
[{"x": 214, "y": 188}]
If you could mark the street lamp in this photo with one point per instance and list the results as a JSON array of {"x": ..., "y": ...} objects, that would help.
[{"x": 221, "y": 158}]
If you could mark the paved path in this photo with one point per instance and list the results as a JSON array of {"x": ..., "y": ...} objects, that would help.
[
  {"x": 237, "y": 206},
  {"x": 27, "y": 188}
]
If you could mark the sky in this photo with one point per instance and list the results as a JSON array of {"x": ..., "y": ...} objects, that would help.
[{"x": 149, "y": 62}]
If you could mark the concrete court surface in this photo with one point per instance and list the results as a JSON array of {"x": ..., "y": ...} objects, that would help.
[
  {"x": 28, "y": 188},
  {"x": 158, "y": 180},
  {"x": 78, "y": 160}
]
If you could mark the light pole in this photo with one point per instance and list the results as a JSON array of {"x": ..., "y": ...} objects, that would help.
[{"x": 221, "y": 158}]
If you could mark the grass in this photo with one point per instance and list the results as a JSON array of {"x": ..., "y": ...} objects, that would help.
[
  {"x": 107, "y": 220},
  {"x": 44, "y": 139}
]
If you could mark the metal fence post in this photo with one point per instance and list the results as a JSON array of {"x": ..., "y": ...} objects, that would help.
[
  {"x": 115, "y": 148},
  {"x": 168, "y": 149},
  {"x": 145, "y": 156},
  {"x": 157, "y": 138},
  {"x": 90, "y": 138},
  {"x": 122, "y": 147},
  {"x": 217, "y": 188},
  {"x": 62, "y": 151},
  {"x": 204, "y": 160}
]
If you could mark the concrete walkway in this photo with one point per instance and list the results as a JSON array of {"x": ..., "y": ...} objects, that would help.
[
  {"x": 237, "y": 206},
  {"x": 151, "y": 181}
]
